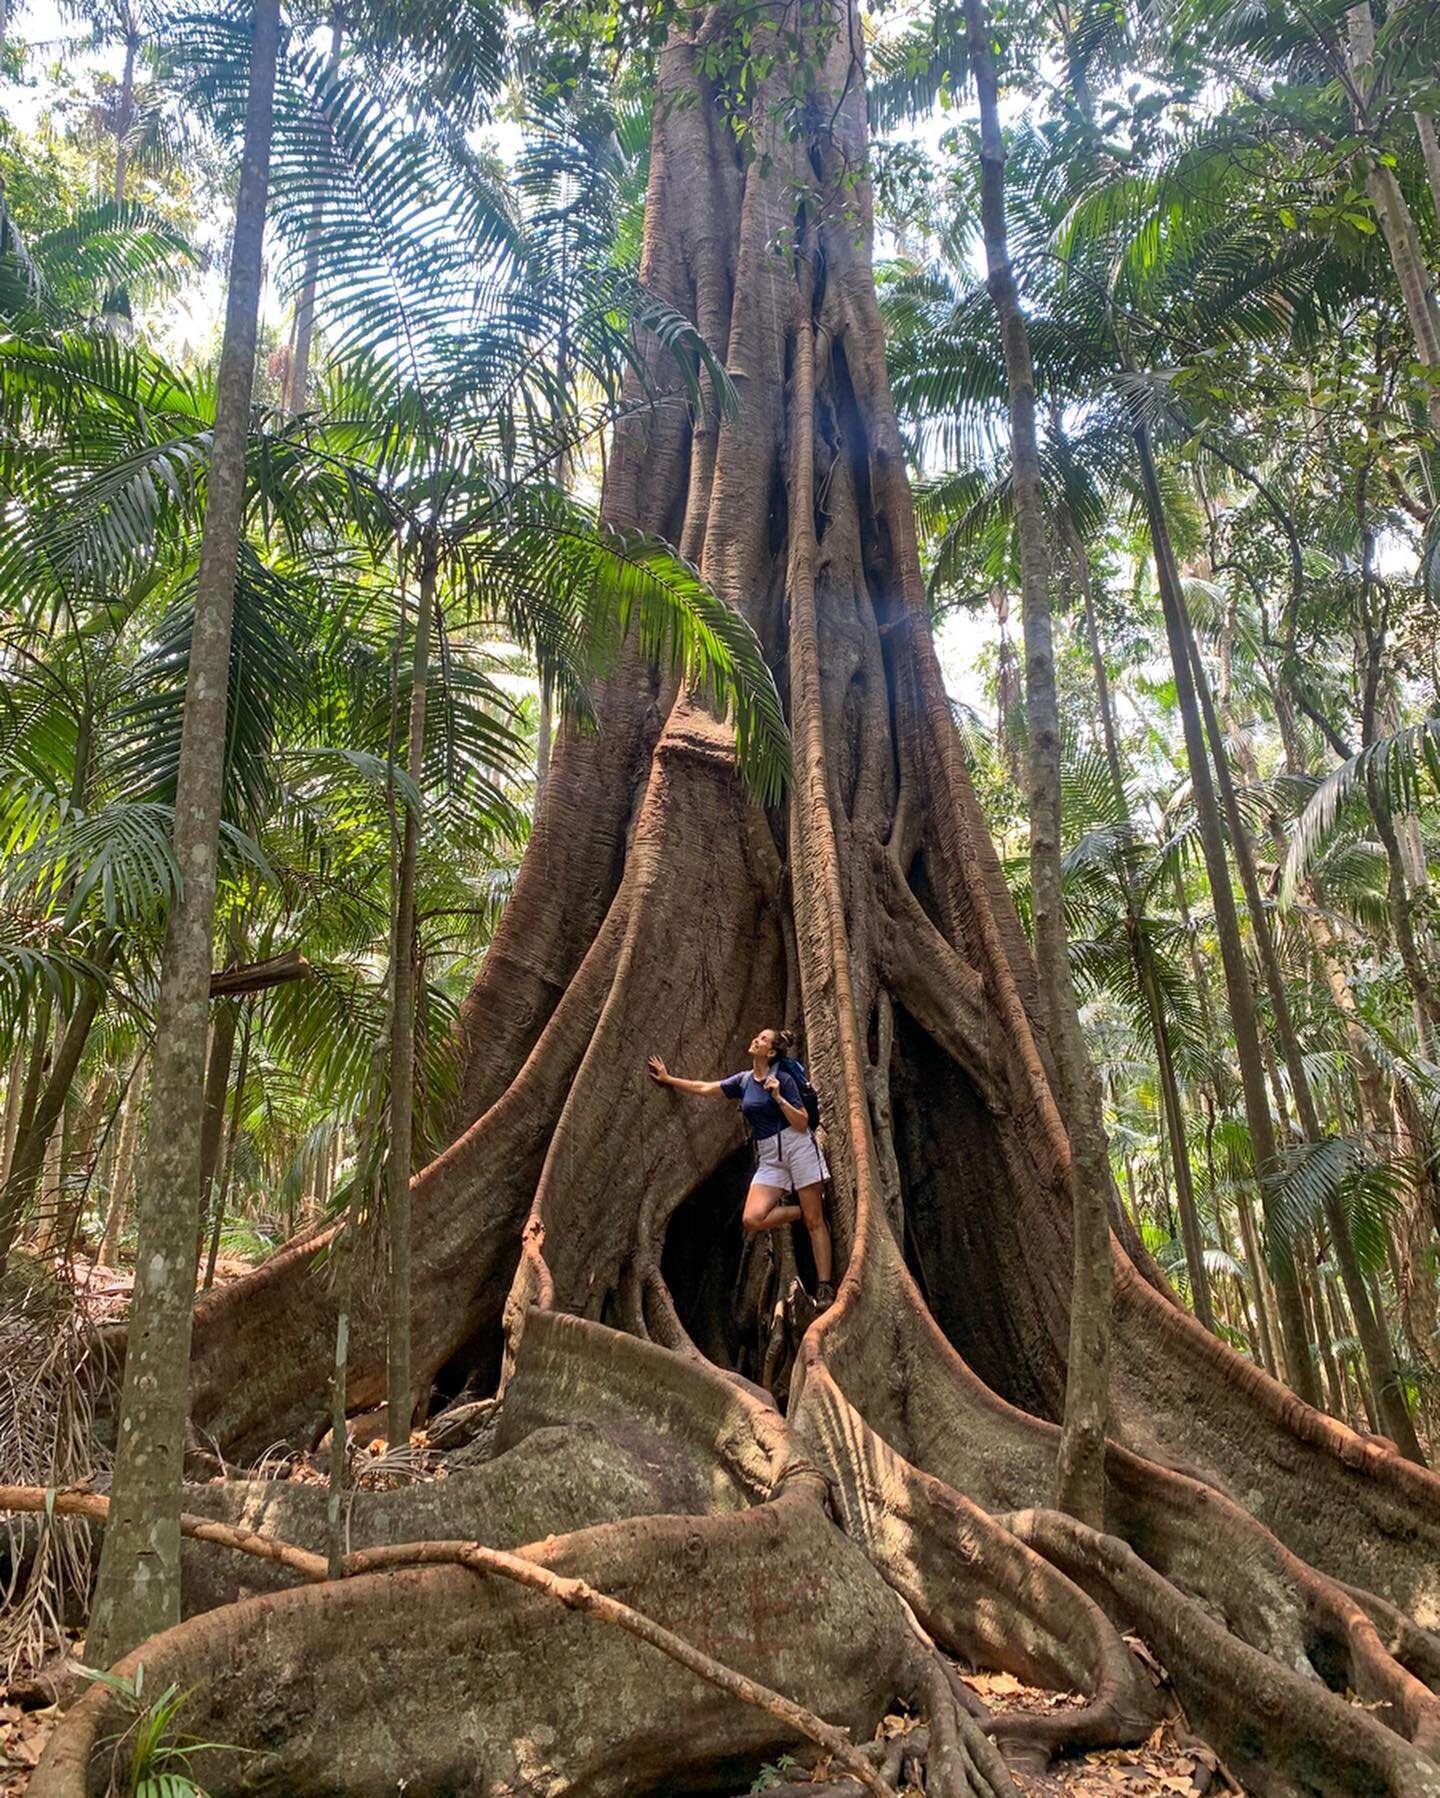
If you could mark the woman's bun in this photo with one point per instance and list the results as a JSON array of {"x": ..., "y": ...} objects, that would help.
[{"x": 785, "y": 1039}]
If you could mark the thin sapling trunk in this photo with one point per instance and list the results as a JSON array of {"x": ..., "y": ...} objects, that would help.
[
  {"x": 227, "y": 1166},
  {"x": 400, "y": 1396}
]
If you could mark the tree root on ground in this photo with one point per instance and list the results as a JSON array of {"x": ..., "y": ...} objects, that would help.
[
  {"x": 765, "y": 1585},
  {"x": 1277, "y": 1729},
  {"x": 1210, "y": 1555},
  {"x": 985, "y": 1597},
  {"x": 774, "y": 1588}
]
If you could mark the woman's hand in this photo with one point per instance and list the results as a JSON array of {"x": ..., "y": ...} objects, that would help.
[
  {"x": 662, "y": 1076},
  {"x": 794, "y": 1115}
]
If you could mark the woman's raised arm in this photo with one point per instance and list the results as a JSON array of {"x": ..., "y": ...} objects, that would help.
[{"x": 662, "y": 1076}]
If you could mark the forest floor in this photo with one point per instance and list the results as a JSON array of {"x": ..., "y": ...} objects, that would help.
[
  {"x": 1167, "y": 1762},
  {"x": 1167, "y": 1765},
  {"x": 105, "y": 1292}
]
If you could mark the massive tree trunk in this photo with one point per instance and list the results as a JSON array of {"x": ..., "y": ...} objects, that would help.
[{"x": 1272, "y": 1559}]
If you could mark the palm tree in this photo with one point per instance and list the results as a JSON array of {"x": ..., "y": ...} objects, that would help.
[
  {"x": 1080, "y": 1476},
  {"x": 138, "y": 1586}
]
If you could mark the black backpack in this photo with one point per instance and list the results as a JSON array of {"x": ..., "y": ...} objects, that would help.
[{"x": 809, "y": 1098}]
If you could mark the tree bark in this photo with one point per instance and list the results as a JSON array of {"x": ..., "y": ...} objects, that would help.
[
  {"x": 122, "y": 1176},
  {"x": 138, "y": 1587}
]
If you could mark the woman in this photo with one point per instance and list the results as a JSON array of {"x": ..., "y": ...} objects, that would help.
[{"x": 787, "y": 1157}]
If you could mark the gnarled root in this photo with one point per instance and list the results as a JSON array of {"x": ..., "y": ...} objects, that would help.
[
  {"x": 553, "y": 1482},
  {"x": 1278, "y": 1729},
  {"x": 983, "y": 1595},
  {"x": 763, "y": 1586},
  {"x": 327, "y": 1686},
  {"x": 1185, "y": 1559}
]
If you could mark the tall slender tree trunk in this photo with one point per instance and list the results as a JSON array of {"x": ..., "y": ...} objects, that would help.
[
  {"x": 1246, "y": 1310},
  {"x": 1370, "y": 1078},
  {"x": 1397, "y": 222},
  {"x": 81, "y": 1156},
  {"x": 400, "y": 1395},
  {"x": 1373, "y": 1335},
  {"x": 1172, "y": 1116},
  {"x": 10, "y": 1124},
  {"x": 224, "y": 1017},
  {"x": 1080, "y": 1473},
  {"x": 297, "y": 376},
  {"x": 1227, "y": 923},
  {"x": 1401, "y": 908},
  {"x": 227, "y": 1166},
  {"x": 1430, "y": 150},
  {"x": 138, "y": 1587},
  {"x": 344, "y": 1278},
  {"x": 545, "y": 722},
  {"x": 1326, "y": 1335},
  {"x": 1191, "y": 1236},
  {"x": 1255, "y": 1259},
  {"x": 35, "y": 1065},
  {"x": 51, "y": 1185},
  {"x": 19, "y": 1188}
]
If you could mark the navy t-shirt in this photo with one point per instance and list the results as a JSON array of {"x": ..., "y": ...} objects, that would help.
[{"x": 763, "y": 1116}]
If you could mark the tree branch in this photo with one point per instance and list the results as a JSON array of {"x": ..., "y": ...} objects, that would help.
[{"x": 256, "y": 976}]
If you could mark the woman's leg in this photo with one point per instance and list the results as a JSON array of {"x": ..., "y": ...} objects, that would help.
[
  {"x": 766, "y": 1208},
  {"x": 812, "y": 1209}
]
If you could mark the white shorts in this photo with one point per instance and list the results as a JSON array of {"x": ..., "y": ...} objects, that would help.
[{"x": 786, "y": 1162}]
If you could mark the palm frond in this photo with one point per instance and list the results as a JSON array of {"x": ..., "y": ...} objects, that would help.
[{"x": 1400, "y": 764}]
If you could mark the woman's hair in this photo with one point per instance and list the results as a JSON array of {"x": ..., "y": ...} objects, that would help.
[{"x": 784, "y": 1040}]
